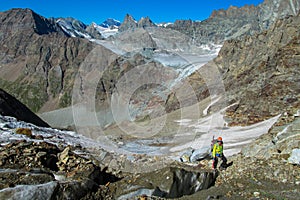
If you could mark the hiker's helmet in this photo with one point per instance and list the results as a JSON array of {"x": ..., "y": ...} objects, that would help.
[{"x": 219, "y": 139}]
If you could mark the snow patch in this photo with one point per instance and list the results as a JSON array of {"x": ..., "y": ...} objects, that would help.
[
  {"x": 164, "y": 24},
  {"x": 295, "y": 157},
  {"x": 214, "y": 100},
  {"x": 52, "y": 136},
  {"x": 281, "y": 133},
  {"x": 183, "y": 122},
  {"x": 234, "y": 137},
  {"x": 106, "y": 32}
]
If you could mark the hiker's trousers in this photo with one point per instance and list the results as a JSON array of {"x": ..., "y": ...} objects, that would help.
[{"x": 216, "y": 160}]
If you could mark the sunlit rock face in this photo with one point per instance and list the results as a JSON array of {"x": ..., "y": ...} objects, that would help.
[
  {"x": 261, "y": 72},
  {"x": 237, "y": 22}
]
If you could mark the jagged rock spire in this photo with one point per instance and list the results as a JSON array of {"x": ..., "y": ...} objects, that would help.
[
  {"x": 145, "y": 22},
  {"x": 128, "y": 23},
  {"x": 131, "y": 23}
]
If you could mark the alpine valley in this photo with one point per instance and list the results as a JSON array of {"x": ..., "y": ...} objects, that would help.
[{"x": 127, "y": 110}]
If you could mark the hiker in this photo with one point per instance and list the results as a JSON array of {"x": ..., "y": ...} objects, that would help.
[{"x": 217, "y": 153}]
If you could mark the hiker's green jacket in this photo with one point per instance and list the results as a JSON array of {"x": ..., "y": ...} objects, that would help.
[{"x": 217, "y": 150}]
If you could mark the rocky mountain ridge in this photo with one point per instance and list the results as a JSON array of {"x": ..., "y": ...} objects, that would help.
[
  {"x": 27, "y": 20},
  {"x": 220, "y": 26},
  {"x": 237, "y": 22},
  {"x": 38, "y": 59},
  {"x": 129, "y": 23}
]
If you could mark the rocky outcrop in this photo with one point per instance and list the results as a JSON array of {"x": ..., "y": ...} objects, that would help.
[
  {"x": 42, "y": 166},
  {"x": 167, "y": 183},
  {"x": 263, "y": 167},
  {"x": 279, "y": 143},
  {"x": 94, "y": 32},
  {"x": 145, "y": 22},
  {"x": 129, "y": 23},
  {"x": 135, "y": 40},
  {"x": 261, "y": 72},
  {"x": 270, "y": 11},
  {"x": 10, "y": 106},
  {"x": 53, "y": 172}
]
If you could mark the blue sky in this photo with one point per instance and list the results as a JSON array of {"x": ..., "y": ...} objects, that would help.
[{"x": 97, "y": 11}]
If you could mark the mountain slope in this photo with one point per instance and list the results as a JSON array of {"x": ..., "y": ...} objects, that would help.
[
  {"x": 10, "y": 106},
  {"x": 260, "y": 74},
  {"x": 38, "y": 60}
]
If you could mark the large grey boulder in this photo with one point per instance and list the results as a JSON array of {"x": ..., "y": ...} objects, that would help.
[{"x": 41, "y": 191}]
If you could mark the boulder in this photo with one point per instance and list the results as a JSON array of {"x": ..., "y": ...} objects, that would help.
[
  {"x": 170, "y": 182},
  {"x": 194, "y": 155},
  {"x": 200, "y": 154},
  {"x": 41, "y": 191}
]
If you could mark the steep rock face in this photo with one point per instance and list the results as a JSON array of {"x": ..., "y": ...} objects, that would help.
[
  {"x": 261, "y": 72},
  {"x": 135, "y": 40},
  {"x": 93, "y": 32},
  {"x": 38, "y": 61},
  {"x": 124, "y": 72},
  {"x": 269, "y": 11},
  {"x": 10, "y": 106},
  {"x": 170, "y": 182},
  {"x": 222, "y": 25},
  {"x": 237, "y": 22},
  {"x": 25, "y": 20},
  {"x": 128, "y": 23},
  {"x": 73, "y": 27},
  {"x": 145, "y": 22}
]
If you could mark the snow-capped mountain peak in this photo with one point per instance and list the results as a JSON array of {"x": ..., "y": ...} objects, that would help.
[
  {"x": 107, "y": 28},
  {"x": 110, "y": 22},
  {"x": 73, "y": 27}
]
